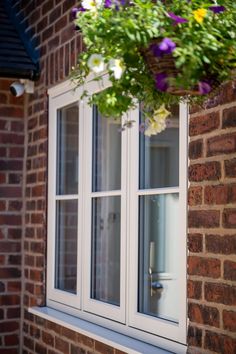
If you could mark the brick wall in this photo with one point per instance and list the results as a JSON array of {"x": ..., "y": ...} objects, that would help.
[
  {"x": 11, "y": 206},
  {"x": 212, "y": 225}
]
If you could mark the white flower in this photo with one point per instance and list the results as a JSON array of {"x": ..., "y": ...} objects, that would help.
[
  {"x": 158, "y": 122},
  {"x": 117, "y": 66},
  {"x": 96, "y": 63},
  {"x": 91, "y": 4}
]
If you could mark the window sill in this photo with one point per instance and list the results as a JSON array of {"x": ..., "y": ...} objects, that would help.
[{"x": 101, "y": 334}]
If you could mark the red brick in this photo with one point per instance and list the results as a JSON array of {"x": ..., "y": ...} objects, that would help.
[
  {"x": 3, "y": 98},
  {"x": 206, "y": 267},
  {"x": 10, "y": 273},
  {"x": 14, "y": 286},
  {"x": 11, "y": 165},
  {"x": 204, "y": 315},
  {"x": 2, "y": 205},
  {"x": 67, "y": 33},
  {"x": 9, "y": 351},
  {"x": 40, "y": 349},
  {"x": 61, "y": 23},
  {"x": 14, "y": 234},
  {"x": 36, "y": 275},
  {"x": 67, "y": 5},
  {"x": 16, "y": 152},
  {"x": 35, "y": 332},
  {"x": 221, "y": 244},
  {"x": 9, "y": 247},
  {"x": 62, "y": 345},
  {"x": 42, "y": 24},
  {"x": 204, "y": 218},
  {"x": 52, "y": 326},
  {"x": 9, "y": 300},
  {"x": 13, "y": 312},
  {"x": 10, "y": 111},
  {"x": 194, "y": 336},
  {"x": 230, "y": 270},
  {"x": 223, "y": 144},
  {"x": 74, "y": 349},
  {"x": 230, "y": 168},
  {"x": 48, "y": 338},
  {"x": 219, "y": 194},
  {"x": 229, "y": 118},
  {"x": 15, "y": 205},
  {"x": 68, "y": 333},
  {"x": 220, "y": 293},
  {"x": 210, "y": 171},
  {"x": 9, "y": 326},
  {"x": 229, "y": 320},
  {"x": 195, "y": 243},
  {"x": 103, "y": 348},
  {"x": 84, "y": 340},
  {"x": 38, "y": 191},
  {"x": 204, "y": 124},
  {"x": 194, "y": 289},
  {"x": 219, "y": 343},
  {"x": 229, "y": 218},
  {"x": 47, "y": 33},
  {"x": 195, "y": 196},
  {"x": 11, "y": 340},
  {"x": 10, "y": 219},
  {"x": 37, "y": 218}
]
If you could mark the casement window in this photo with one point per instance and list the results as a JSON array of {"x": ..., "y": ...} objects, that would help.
[{"x": 117, "y": 219}]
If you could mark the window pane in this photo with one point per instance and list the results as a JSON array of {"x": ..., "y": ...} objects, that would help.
[
  {"x": 106, "y": 153},
  {"x": 105, "y": 283},
  {"x": 158, "y": 247},
  {"x": 159, "y": 157},
  {"x": 67, "y": 150},
  {"x": 66, "y": 245}
]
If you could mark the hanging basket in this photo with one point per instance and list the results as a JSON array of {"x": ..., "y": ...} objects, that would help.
[{"x": 166, "y": 64}]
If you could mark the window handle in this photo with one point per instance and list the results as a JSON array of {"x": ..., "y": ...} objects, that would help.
[{"x": 156, "y": 285}]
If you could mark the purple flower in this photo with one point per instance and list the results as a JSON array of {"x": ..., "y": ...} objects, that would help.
[
  {"x": 108, "y": 3},
  {"x": 204, "y": 88},
  {"x": 75, "y": 10},
  {"x": 161, "y": 81},
  {"x": 177, "y": 19},
  {"x": 167, "y": 46},
  {"x": 217, "y": 9}
]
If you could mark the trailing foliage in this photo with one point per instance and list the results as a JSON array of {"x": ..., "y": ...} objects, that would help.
[{"x": 199, "y": 35}]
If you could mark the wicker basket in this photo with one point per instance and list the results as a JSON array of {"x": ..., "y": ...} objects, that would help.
[{"x": 166, "y": 64}]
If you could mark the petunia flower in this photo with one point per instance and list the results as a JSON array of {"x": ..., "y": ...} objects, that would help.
[
  {"x": 108, "y": 3},
  {"x": 91, "y": 4},
  {"x": 204, "y": 88},
  {"x": 167, "y": 46},
  {"x": 199, "y": 15},
  {"x": 117, "y": 67},
  {"x": 157, "y": 122},
  {"x": 217, "y": 9},
  {"x": 177, "y": 19},
  {"x": 96, "y": 63},
  {"x": 161, "y": 82}
]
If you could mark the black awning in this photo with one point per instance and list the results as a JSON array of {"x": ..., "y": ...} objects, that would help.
[{"x": 18, "y": 57}]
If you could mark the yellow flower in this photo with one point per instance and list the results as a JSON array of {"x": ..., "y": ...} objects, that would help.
[
  {"x": 199, "y": 15},
  {"x": 158, "y": 121}
]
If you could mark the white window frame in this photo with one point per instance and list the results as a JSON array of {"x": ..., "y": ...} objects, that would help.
[{"x": 125, "y": 319}]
